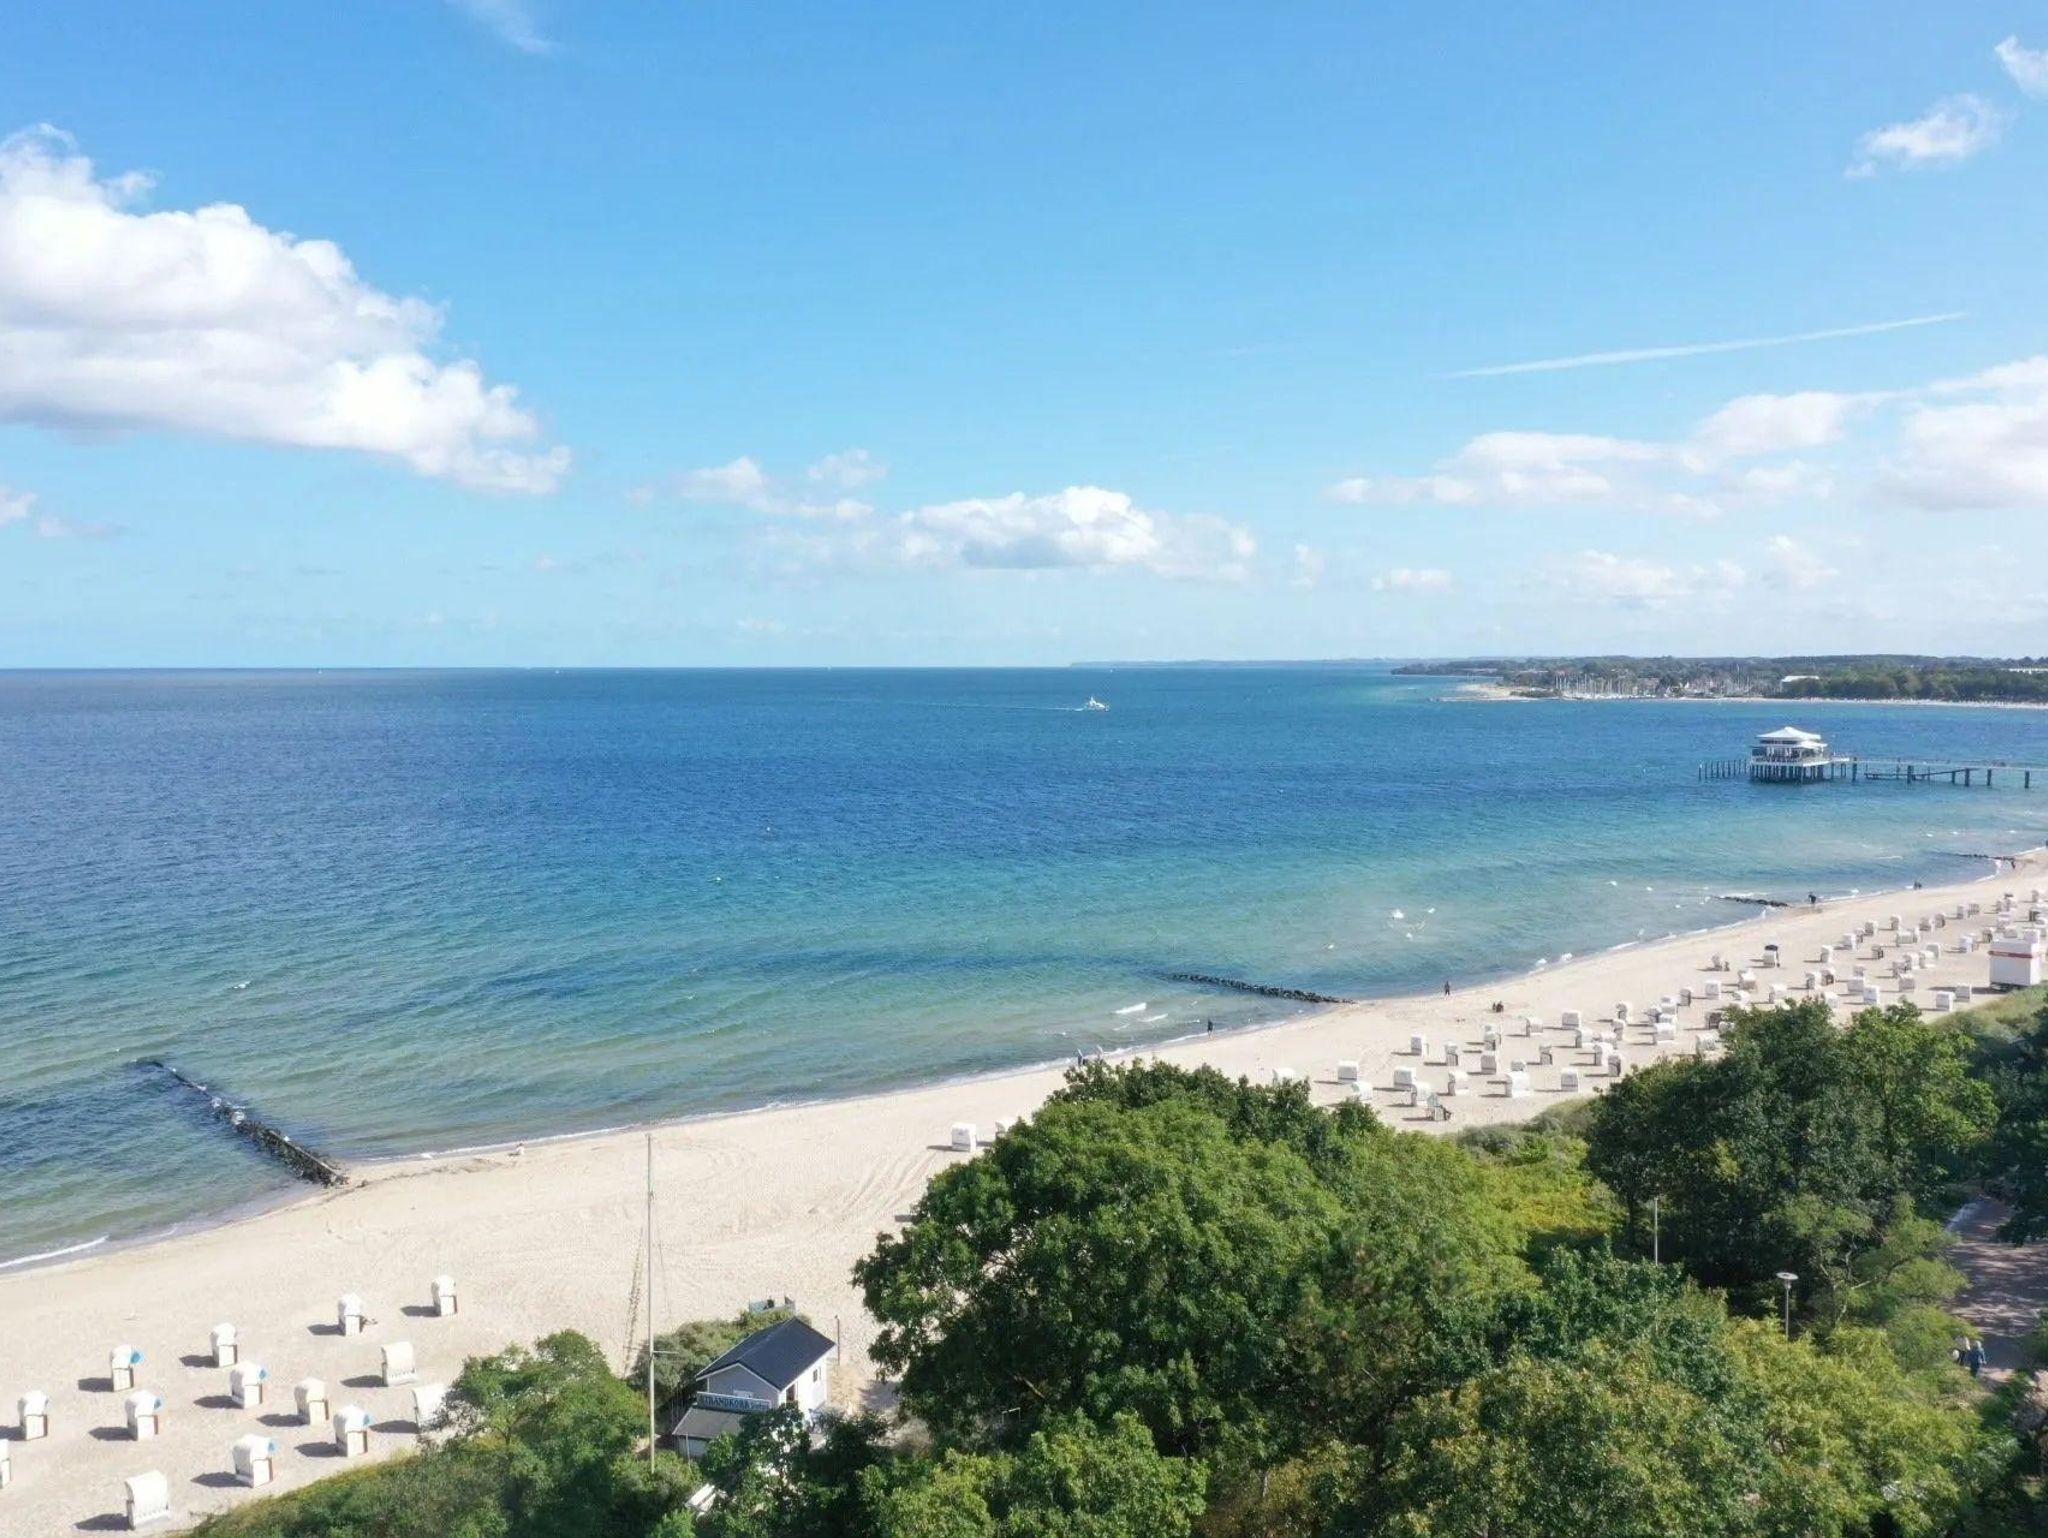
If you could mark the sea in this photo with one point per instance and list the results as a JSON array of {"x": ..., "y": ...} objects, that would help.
[{"x": 399, "y": 912}]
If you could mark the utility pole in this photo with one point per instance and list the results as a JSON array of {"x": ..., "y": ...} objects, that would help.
[
  {"x": 650, "y": 1300},
  {"x": 1656, "y": 1246}
]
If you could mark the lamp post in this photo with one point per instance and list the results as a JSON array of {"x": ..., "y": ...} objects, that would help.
[
  {"x": 1787, "y": 1279},
  {"x": 1656, "y": 1248}
]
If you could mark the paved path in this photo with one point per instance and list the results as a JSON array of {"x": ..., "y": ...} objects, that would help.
[{"x": 2008, "y": 1288}]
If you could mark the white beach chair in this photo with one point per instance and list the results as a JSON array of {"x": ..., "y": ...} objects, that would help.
[
  {"x": 1455, "y": 1082},
  {"x": 351, "y": 1431},
  {"x": 1616, "y": 1065},
  {"x": 6, "y": 1466},
  {"x": 1404, "y": 1078},
  {"x": 310, "y": 1395},
  {"x": 1568, "y": 1080},
  {"x": 426, "y": 1405},
  {"x": 255, "y": 1460},
  {"x": 1347, "y": 1071},
  {"x": 34, "y": 1409},
  {"x": 1569, "y": 1019},
  {"x": 398, "y": 1364},
  {"x": 963, "y": 1137},
  {"x": 121, "y": 1364},
  {"x": 1518, "y": 1086},
  {"x": 1418, "y": 1044},
  {"x": 145, "y": 1414},
  {"x": 146, "y": 1498},
  {"x": 225, "y": 1350},
  {"x": 445, "y": 1300},
  {"x": 348, "y": 1314},
  {"x": 248, "y": 1382},
  {"x": 1944, "y": 1000},
  {"x": 1489, "y": 1063}
]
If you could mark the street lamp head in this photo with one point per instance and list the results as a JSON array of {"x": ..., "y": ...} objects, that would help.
[{"x": 1788, "y": 1277}]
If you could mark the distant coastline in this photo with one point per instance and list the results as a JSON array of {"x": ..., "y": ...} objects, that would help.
[{"x": 1478, "y": 693}]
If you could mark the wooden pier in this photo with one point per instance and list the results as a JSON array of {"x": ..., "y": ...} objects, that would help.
[{"x": 1904, "y": 771}]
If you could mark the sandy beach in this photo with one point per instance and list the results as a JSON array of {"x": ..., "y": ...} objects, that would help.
[{"x": 768, "y": 1203}]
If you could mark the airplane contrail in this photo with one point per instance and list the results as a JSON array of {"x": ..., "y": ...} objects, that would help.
[{"x": 1694, "y": 349}]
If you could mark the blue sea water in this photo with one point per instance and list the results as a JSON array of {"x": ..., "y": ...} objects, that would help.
[{"x": 408, "y": 911}]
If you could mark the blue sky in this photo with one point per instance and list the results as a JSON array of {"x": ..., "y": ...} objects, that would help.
[{"x": 424, "y": 332}]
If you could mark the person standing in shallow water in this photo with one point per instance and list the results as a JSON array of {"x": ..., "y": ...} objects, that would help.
[{"x": 1447, "y": 987}]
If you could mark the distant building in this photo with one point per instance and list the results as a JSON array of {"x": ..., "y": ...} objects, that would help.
[
  {"x": 1790, "y": 756},
  {"x": 788, "y": 1363}
]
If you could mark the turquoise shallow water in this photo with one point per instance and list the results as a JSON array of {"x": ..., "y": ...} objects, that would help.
[{"x": 401, "y": 911}]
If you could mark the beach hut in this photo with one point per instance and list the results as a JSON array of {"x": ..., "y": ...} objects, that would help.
[
  {"x": 963, "y": 1137},
  {"x": 255, "y": 1460},
  {"x": 225, "y": 1351},
  {"x": 446, "y": 1303},
  {"x": 1404, "y": 1078},
  {"x": 146, "y": 1499},
  {"x": 351, "y": 1431},
  {"x": 348, "y": 1314},
  {"x": 1419, "y": 1044},
  {"x": 398, "y": 1364},
  {"x": 1568, "y": 1080},
  {"x": 310, "y": 1395},
  {"x": 426, "y": 1405},
  {"x": 1570, "y": 1019},
  {"x": 1518, "y": 1086},
  {"x": 247, "y": 1383},
  {"x": 1347, "y": 1070},
  {"x": 34, "y": 1407},
  {"x": 2016, "y": 962},
  {"x": 121, "y": 1364},
  {"x": 145, "y": 1414}
]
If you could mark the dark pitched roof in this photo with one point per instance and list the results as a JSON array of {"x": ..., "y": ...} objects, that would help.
[{"x": 780, "y": 1354}]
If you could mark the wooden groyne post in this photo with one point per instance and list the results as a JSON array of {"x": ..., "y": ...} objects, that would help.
[
  {"x": 296, "y": 1157},
  {"x": 1264, "y": 990}
]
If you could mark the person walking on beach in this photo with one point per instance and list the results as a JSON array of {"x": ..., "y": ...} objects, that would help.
[{"x": 1447, "y": 987}]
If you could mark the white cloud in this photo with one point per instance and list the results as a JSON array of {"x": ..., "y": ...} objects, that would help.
[
  {"x": 15, "y": 505},
  {"x": 848, "y": 470},
  {"x": 205, "y": 321},
  {"x": 1510, "y": 469},
  {"x": 1411, "y": 579},
  {"x": 1754, "y": 425},
  {"x": 744, "y": 483},
  {"x": 1792, "y": 564},
  {"x": 1980, "y": 442},
  {"x": 514, "y": 22},
  {"x": 1624, "y": 582},
  {"x": 51, "y": 526},
  {"x": 1082, "y": 526},
  {"x": 1309, "y": 566},
  {"x": 2027, "y": 66},
  {"x": 1948, "y": 133}
]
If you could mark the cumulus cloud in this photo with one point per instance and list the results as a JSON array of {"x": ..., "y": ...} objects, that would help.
[
  {"x": 116, "y": 317},
  {"x": 1411, "y": 579},
  {"x": 15, "y": 505},
  {"x": 1754, "y": 425},
  {"x": 1980, "y": 442},
  {"x": 848, "y": 470},
  {"x": 1309, "y": 566},
  {"x": 1081, "y": 526},
  {"x": 1948, "y": 133},
  {"x": 51, "y": 526},
  {"x": 2027, "y": 66},
  {"x": 1625, "y": 582},
  {"x": 744, "y": 483},
  {"x": 1790, "y": 563},
  {"x": 513, "y": 21}
]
